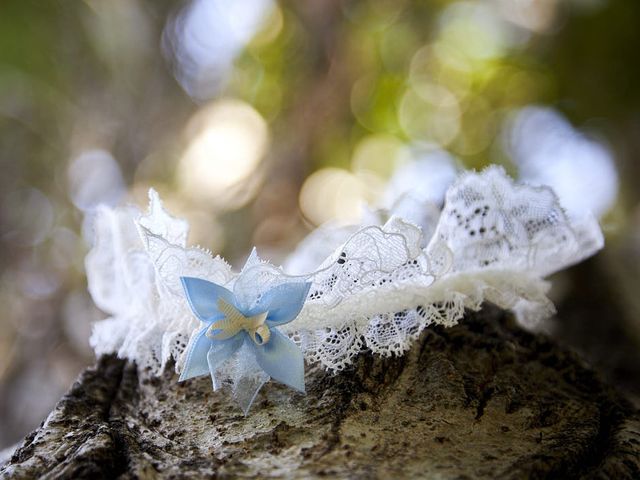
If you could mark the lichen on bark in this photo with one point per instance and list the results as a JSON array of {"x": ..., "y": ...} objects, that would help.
[{"x": 483, "y": 399}]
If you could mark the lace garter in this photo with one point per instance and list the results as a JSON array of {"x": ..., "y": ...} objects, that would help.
[{"x": 374, "y": 287}]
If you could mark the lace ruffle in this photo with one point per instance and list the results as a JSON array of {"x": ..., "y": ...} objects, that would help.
[{"x": 379, "y": 287}]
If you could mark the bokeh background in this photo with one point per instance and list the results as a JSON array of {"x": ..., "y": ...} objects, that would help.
[{"x": 258, "y": 120}]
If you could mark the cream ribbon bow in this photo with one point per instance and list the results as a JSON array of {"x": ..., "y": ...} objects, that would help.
[{"x": 234, "y": 321}]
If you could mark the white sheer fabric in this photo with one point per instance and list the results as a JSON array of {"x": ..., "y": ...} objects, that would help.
[{"x": 378, "y": 287}]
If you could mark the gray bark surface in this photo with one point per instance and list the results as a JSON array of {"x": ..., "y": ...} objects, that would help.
[{"x": 483, "y": 399}]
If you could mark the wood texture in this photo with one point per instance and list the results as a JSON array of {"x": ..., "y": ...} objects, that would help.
[{"x": 483, "y": 399}]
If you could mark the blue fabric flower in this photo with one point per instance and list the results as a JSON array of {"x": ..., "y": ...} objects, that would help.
[{"x": 229, "y": 326}]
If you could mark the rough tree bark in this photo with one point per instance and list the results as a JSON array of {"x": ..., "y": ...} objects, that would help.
[{"x": 483, "y": 399}]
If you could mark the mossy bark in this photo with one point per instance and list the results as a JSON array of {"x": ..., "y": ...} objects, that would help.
[{"x": 483, "y": 399}]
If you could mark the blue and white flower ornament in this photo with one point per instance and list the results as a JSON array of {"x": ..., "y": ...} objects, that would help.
[{"x": 240, "y": 325}]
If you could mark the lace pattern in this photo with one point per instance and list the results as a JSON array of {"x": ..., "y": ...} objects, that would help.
[
  {"x": 489, "y": 221},
  {"x": 382, "y": 284}
]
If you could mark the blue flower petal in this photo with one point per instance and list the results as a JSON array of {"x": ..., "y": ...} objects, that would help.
[
  {"x": 196, "y": 362},
  {"x": 219, "y": 352},
  {"x": 283, "y": 302},
  {"x": 203, "y": 297},
  {"x": 282, "y": 360}
]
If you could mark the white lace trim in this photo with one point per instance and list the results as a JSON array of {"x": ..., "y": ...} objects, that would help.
[{"x": 493, "y": 241}]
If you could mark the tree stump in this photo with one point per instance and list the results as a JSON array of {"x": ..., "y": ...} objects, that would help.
[{"x": 484, "y": 399}]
